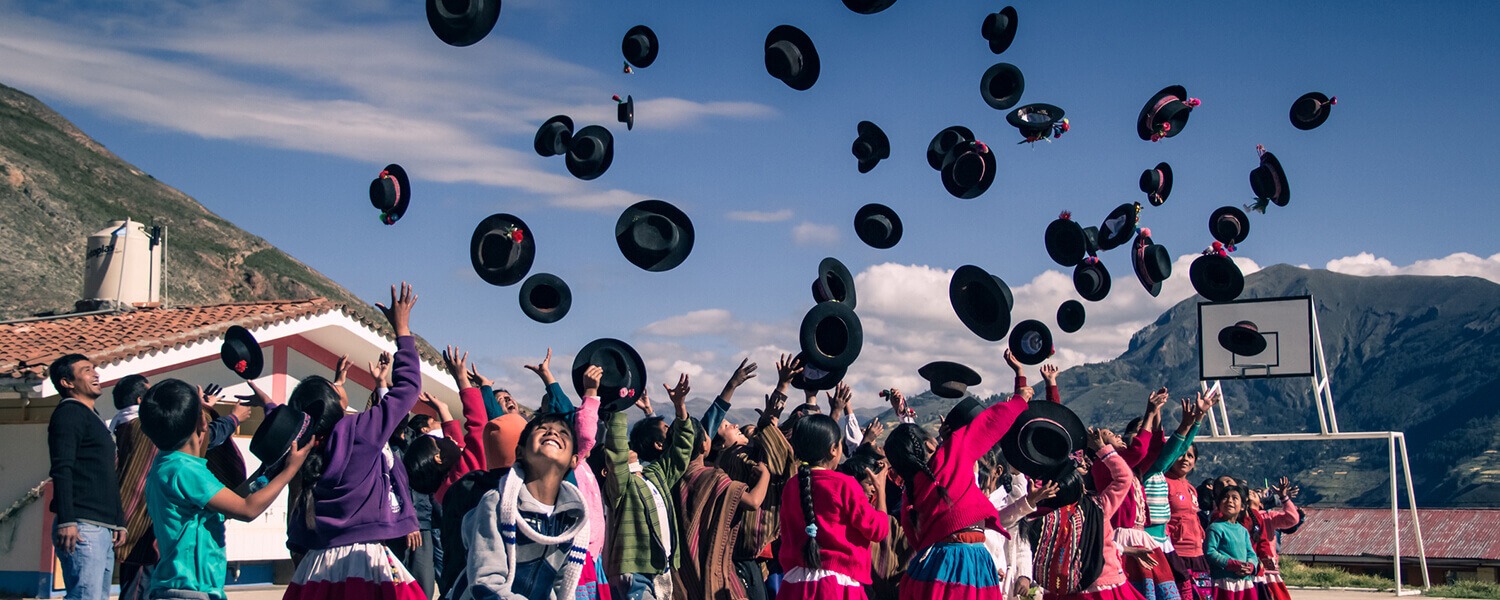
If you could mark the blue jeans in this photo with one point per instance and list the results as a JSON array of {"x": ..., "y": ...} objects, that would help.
[{"x": 88, "y": 571}]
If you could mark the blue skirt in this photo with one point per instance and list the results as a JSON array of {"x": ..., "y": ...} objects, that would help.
[{"x": 952, "y": 571}]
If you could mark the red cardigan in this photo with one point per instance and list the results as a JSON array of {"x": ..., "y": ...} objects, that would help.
[
  {"x": 847, "y": 525},
  {"x": 471, "y": 444}
]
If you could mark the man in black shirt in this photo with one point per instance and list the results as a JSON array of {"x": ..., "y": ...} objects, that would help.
[{"x": 85, "y": 492}]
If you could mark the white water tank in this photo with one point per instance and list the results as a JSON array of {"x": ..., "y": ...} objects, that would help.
[{"x": 123, "y": 266}]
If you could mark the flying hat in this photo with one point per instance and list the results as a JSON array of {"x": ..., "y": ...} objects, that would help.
[
  {"x": 963, "y": 413},
  {"x": 1000, "y": 29},
  {"x": 1242, "y": 338},
  {"x": 1269, "y": 182},
  {"x": 502, "y": 249},
  {"x": 1119, "y": 226},
  {"x": 273, "y": 438},
  {"x": 791, "y": 57},
  {"x": 982, "y": 301},
  {"x": 1215, "y": 276},
  {"x": 390, "y": 193},
  {"x": 877, "y": 225},
  {"x": 1070, "y": 316},
  {"x": 1038, "y": 122},
  {"x": 1152, "y": 263},
  {"x": 624, "y": 377},
  {"x": 1091, "y": 280},
  {"x": 554, "y": 136},
  {"x": 1002, "y": 86},
  {"x": 545, "y": 298},
  {"x": 462, "y": 22},
  {"x": 968, "y": 170},
  {"x": 654, "y": 235},
  {"x": 590, "y": 152},
  {"x": 834, "y": 283},
  {"x": 871, "y": 146},
  {"x": 1309, "y": 111},
  {"x": 868, "y": 7},
  {"x": 1043, "y": 439},
  {"x": 241, "y": 353},
  {"x": 640, "y": 46},
  {"x": 1157, "y": 183},
  {"x": 625, "y": 111},
  {"x": 814, "y": 379},
  {"x": 945, "y": 141},
  {"x": 1066, "y": 242},
  {"x": 1031, "y": 342},
  {"x": 831, "y": 336},
  {"x": 949, "y": 379},
  {"x": 1229, "y": 225},
  {"x": 1165, "y": 114}
]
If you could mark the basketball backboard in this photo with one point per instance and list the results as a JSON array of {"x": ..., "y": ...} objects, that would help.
[{"x": 1286, "y": 324}]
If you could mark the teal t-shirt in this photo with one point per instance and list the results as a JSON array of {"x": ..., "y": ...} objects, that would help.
[{"x": 189, "y": 535}]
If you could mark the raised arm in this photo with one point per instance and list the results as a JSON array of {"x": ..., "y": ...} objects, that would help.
[
  {"x": 1049, "y": 374},
  {"x": 1018, "y": 368},
  {"x": 249, "y": 508},
  {"x": 1178, "y": 444},
  {"x": 838, "y": 408},
  {"x": 679, "y": 451},
  {"x": 1286, "y": 516},
  {"x": 1102, "y": 444},
  {"x": 714, "y": 416},
  {"x": 378, "y": 424},
  {"x": 617, "y": 450},
  {"x": 555, "y": 401}
]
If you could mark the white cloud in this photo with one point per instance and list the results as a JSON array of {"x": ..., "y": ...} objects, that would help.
[
  {"x": 808, "y": 233},
  {"x": 757, "y": 216},
  {"x": 1460, "y": 263},
  {"x": 699, "y": 322}
]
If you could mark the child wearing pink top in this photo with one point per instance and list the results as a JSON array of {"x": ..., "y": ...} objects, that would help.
[
  {"x": 1263, "y": 525},
  {"x": 1083, "y": 529},
  {"x": 827, "y": 555}
]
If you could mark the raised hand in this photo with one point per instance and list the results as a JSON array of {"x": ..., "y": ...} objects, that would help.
[
  {"x": 1158, "y": 399},
  {"x": 1209, "y": 400},
  {"x": 456, "y": 364},
  {"x": 644, "y": 403},
  {"x": 787, "y": 368},
  {"x": 210, "y": 395},
  {"x": 678, "y": 394},
  {"x": 543, "y": 369},
  {"x": 256, "y": 397},
  {"x": 1192, "y": 412},
  {"x": 477, "y": 379},
  {"x": 1015, "y": 365},
  {"x": 591, "y": 378},
  {"x": 745, "y": 372},
  {"x": 1097, "y": 439},
  {"x": 1049, "y": 373},
  {"x": 838, "y": 401},
  {"x": 399, "y": 312},
  {"x": 341, "y": 371},
  {"x": 872, "y": 432},
  {"x": 1043, "y": 492},
  {"x": 381, "y": 370}
]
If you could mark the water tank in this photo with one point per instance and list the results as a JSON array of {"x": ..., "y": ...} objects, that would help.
[{"x": 123, "y": 266}]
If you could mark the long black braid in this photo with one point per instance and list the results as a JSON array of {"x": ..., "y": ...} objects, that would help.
[
  {"x": 814, "y": 441},
  {"x": 810, "y": 549}
]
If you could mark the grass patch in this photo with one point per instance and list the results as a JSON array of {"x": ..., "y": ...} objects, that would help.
[
  {"x": 1299, "y": 575},
  {"x": 1466, "y": 589}
]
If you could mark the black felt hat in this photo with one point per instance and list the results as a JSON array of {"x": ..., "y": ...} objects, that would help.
[
  {"x": 834, "y": 283},
  {"x": 624, "y": 377},
  {"x": 877, "y": 225},
  {"x": 831, "y": 336},
  {"x": 982, "y": 301},
  {"x": 1070, "y": 316},
  {"x": 1065, "y": 240},
  {"x": 1216, "y": 277},
  {"x": 1091, "y": 280},
  {"x": 1242, "y": 338},
  {"x": 949, "y": 379},
  {"x": 590, "y": 152},
  {"x": 1156, "y": 182},
  {"x": 654, "y": 235},
  {"x": 462, "y": 22},
  {"x": 968, "y": 170},
  {"x": 502, "y": 249},
  {"x": 945, "y": 141},
  {"x": 1311, "y": 110},
  {"x": 1269, "y": 181},
  {"x": 1031, "y": 342},
  {"x": 1229, "y": 225},
  {"x": 814, "y": 379},
  {"x": 1000, "y": 29},
  {"x": 1152, "y": 263},
  {"x": 963, "y": 413},
  {"x": 241, "y": 353},
  {"x": 640, "y": 46},
  {"x": 791, "y": 57},
  {"x": 625, "y": 112},
  {"x": 1002, "y": 86},
  {"x": 1043, "y": 439},
  {"x": 273, "y": 439},
  {"x": 1119, "y": 226},
  {"x": 871, "y": 146},
  {"x": 1038, "y": 121},
  {"x": 390, "y": 193},
  {"x": 554, "y": 136},
  {"x": 545, "y": 298},
  {"x": 1165, "y": 114},
  {"x": 868, "y": 7}
]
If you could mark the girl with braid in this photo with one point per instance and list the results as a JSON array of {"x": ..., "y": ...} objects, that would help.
[{"x": 827, "y": 522}]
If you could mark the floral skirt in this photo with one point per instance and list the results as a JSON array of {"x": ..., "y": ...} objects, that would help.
[
  {"x": 952, "y": 571},
  {"x": 819, "y": 584},
  {"x": 355, "y": 571}
]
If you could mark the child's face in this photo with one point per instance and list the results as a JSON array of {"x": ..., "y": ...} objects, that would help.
[
  {"x": 731, "y": 434},
  {"x": 1230, "y": 505},
  {"x": 550, "y": 442},
  {"x": 869, "y": 487}
]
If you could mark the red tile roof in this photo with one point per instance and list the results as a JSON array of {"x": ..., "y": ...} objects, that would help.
[{"x": 1448, "y": 533}]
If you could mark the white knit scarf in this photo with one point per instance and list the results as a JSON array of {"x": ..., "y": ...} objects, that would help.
[{"x": 576, "y": 537}]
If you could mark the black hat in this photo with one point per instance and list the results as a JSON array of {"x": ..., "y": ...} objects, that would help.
[
  {"x": 1070, "y": 316},
  {"x": 1031, "y": 342},
  {"x": 814, "y": 379},
  {"x": 1229, "y": 225},
  {"x": 877, "y": 225},
  {"x": 871, "y": 146},
  {"x": 590, "y": 152},
  {"x": 1091, "y": 280},
  {"x": 1038, "y": 121},
  {"x": 1043, "y": 439},
  {"x": 1165, "y": 114},
  {"x": 1119, "y": 226},
  {"x": 982, "y": 301},
  {"x": 624, "y": 371},
  {"x": 791, "y": 57},
  {"x": 390, "y": 193},
  {"x": 834, "y": 283},
  {"x": 1216, "y": 277},
  {"x": 1002, "y": 86},
  {"x": 1309, "y": 111},
  {"x": 945, "y": 141},
  {"x": 545, "y": 298},
  {"x": 241, "y": 353},
  {"x": 273, "y": 438},
  {"x": 640, "y": 46},
  {"x": 1066, "y": 242},
  {"x": 462, "y": 27},
  {"x": 654, "y": 235},
  {"x": 554, "y": 136},
  {"x": 1000, "y": 29},
  {"x": 625, "y": 111},
  {"x": 831, "y": 336},
  {"x": 1152, "y": 263},
  {"x": 502, "y": 249},
  {"x": 963, "y": 413},
  {"x": 1242, "y": 338},
  {"x": 949, "y": 379},
  {"x": 1157, "y": 183},
  {"x": 1269, "y": 181},
  {"x": 868, "y": 7},
  {"x": 968, "y": 170}
]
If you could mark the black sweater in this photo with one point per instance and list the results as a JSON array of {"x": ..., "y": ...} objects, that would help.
[{"x": 84, "y": 485}]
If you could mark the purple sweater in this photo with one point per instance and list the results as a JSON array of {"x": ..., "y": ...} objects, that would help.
[{"x": 352, "y": 501}]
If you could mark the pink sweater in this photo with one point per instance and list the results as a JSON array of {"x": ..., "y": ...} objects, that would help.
[
  {"x": 953, "y": 463},
  {"x": 847, "y": 524},
  {"x": 1110, "y": 498},
  {"x": 585, "y": 430},
  {"x": 1184, "y": 528},
  {"x": 1272, "y": 520},
  {"x": 470, "y": 440}
]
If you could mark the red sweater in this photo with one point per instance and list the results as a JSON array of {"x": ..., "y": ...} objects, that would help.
[
  {"x": 1184, "y": 528},
  {"x": 953, "y": 463},
  {"x": 471, "y": 444},
  {"x": 847, "y": 525}
]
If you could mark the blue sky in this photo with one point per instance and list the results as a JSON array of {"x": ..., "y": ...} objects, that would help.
[{"x": 276, "y": 114}]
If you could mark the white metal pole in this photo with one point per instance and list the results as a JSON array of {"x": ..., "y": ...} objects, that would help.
[
  {"x": 1416, "y": 521},
  {"x": 1395, "y": 515},
  {"x": 1213, "y": 420},
  {"x": 1323, "y": 389}
]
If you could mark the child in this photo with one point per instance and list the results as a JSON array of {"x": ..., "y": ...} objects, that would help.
[
  {"x": 1230, "y": 554},
  {"x": 888, "y": 555},
  {"x": 827, "y": 522},
  {"x": 1076, "y": 557},
  {"x": 187, "y": 504},
  {"x": 1263, "y": 525}
]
